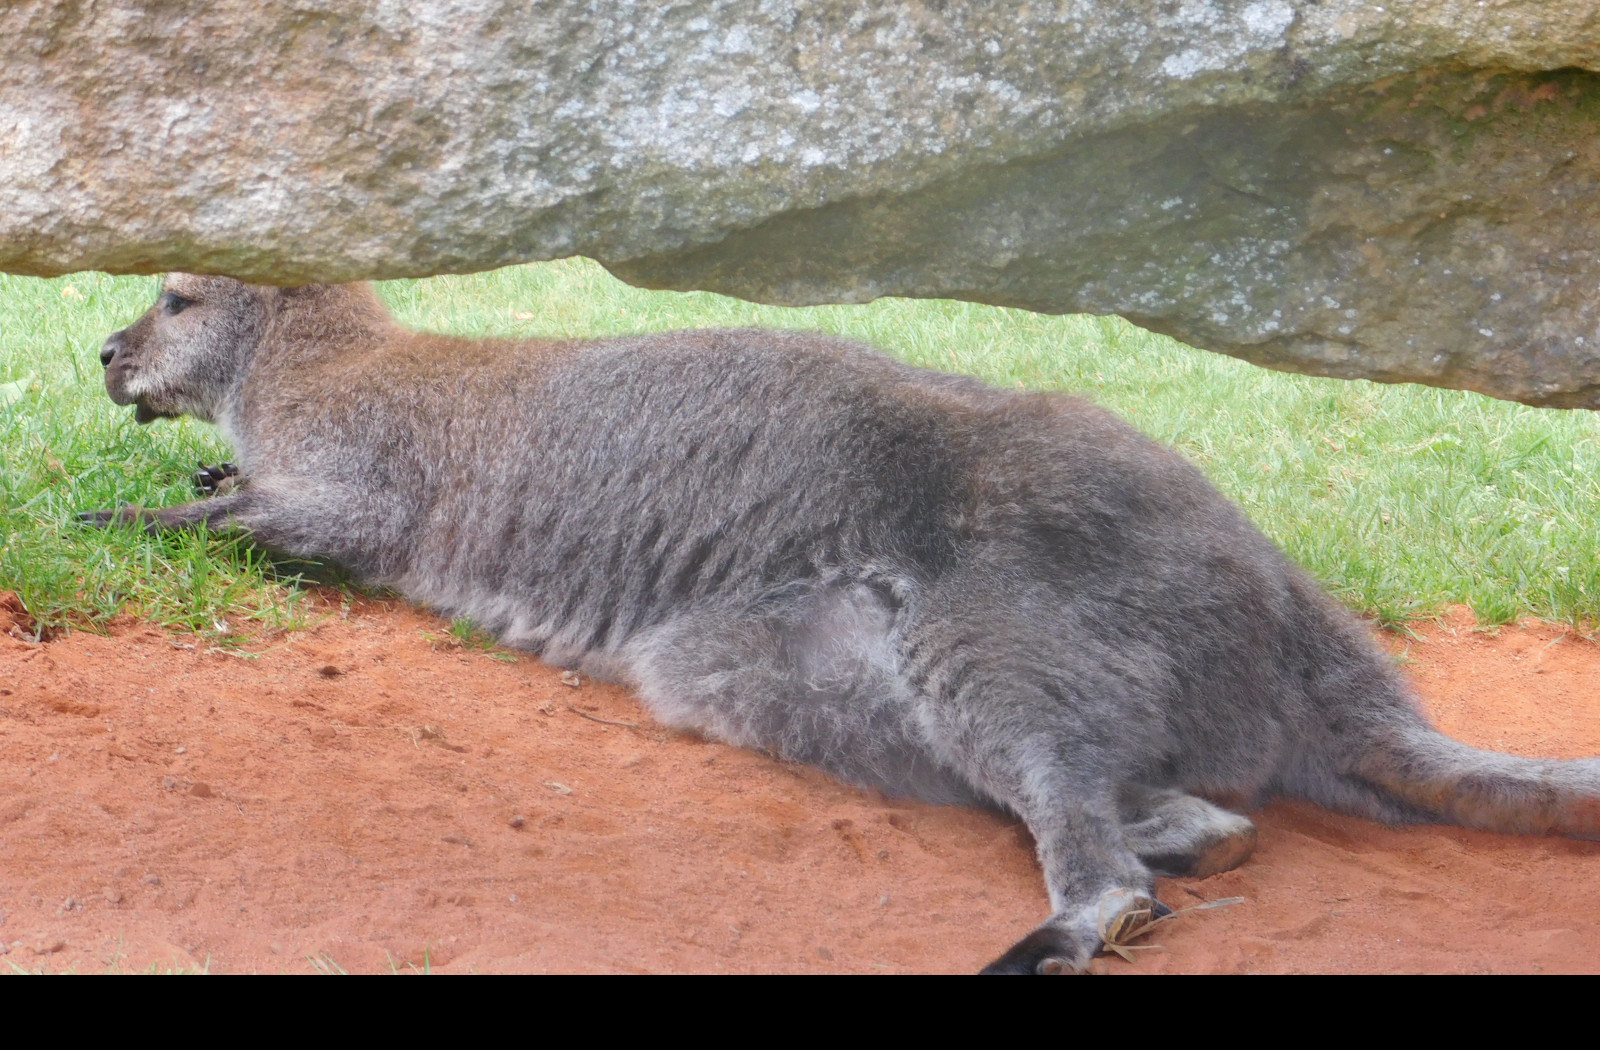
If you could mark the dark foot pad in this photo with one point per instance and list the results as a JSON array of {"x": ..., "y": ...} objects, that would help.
[{"x": 1047, "y": 950}]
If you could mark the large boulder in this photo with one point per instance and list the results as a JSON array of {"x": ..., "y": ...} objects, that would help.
[{"x": 1400, "y": 190}]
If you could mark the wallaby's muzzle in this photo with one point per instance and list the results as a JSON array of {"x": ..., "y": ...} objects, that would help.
[
  {"x": 112, "y": 346},
  {"x": 114, "y": 357},
  {"x": 117, "y": 370}
]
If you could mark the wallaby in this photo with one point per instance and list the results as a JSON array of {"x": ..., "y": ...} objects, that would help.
[{"x": 915, "y": 581}]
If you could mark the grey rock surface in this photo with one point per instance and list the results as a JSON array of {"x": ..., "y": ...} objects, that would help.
[{"x": 1401, "y": 191}]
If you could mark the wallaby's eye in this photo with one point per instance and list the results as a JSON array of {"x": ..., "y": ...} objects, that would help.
[{"x": 172, "y": 303}]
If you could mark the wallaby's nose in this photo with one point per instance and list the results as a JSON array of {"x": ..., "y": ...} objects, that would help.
[{"x": 109, "y": 350}]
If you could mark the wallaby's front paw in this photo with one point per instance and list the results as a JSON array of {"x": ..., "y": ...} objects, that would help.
[{"x": 215, "y": 481}]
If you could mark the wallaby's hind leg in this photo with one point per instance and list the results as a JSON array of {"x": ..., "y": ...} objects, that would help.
[
  {"x": 1096, "y": 885},
  {"x": 1179, "y": 835},
  {"x": 1043, "y": 743},
  {"x": 811, "y": 674}
]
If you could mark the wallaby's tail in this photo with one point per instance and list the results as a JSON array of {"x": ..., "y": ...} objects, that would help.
[{"x": 1458, "y": 784}]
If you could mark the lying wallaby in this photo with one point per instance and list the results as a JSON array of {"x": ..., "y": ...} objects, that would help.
[{"x": 915, "y": 581}]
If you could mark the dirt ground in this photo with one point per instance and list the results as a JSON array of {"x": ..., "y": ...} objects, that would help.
[{"x": 366, "y": 796}]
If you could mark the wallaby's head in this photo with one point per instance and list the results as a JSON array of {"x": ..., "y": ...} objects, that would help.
[{"x": 187, "y": 352}]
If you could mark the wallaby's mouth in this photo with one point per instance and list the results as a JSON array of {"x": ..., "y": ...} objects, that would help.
[{"x": 143, "y": 413}]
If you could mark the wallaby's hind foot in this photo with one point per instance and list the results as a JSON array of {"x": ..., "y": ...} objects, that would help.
[
  {"x": 1181, "y": 836},
  {"x": 1047, "y": 950},
  {"x": 1222, "y": 854},
  {"x": 1065, "y": 943}
]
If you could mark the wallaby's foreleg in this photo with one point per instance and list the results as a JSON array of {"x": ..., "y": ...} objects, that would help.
[
  {"x": 1181, "y": 836},
  {"x": 1447, "y": 780},
  {"x": 270, "y": 514},
  {"x": 216, "y": 513},
  {"x": 298, "y": 516}
]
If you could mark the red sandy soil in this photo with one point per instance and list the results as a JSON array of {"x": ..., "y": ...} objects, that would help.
[{"x": 361, "y": 793}]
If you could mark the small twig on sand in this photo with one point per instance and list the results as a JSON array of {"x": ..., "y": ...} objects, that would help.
[
  {"x": 602, "y": 721},
  {"x": 1131, "y": 925}
]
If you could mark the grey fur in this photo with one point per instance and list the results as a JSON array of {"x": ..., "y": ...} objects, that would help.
[{"x": 912, "y": 580}]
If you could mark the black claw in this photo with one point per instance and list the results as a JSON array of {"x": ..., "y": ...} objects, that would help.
[
  {"x": 208, "y": 481},
  {"x": 1047, "y": 950},
  {"x": 97, "y": 519},
  {"x": 1159, "y": 910}
]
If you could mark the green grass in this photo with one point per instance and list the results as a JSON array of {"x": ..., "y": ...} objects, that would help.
[{"x": 1402, "y": 499}]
